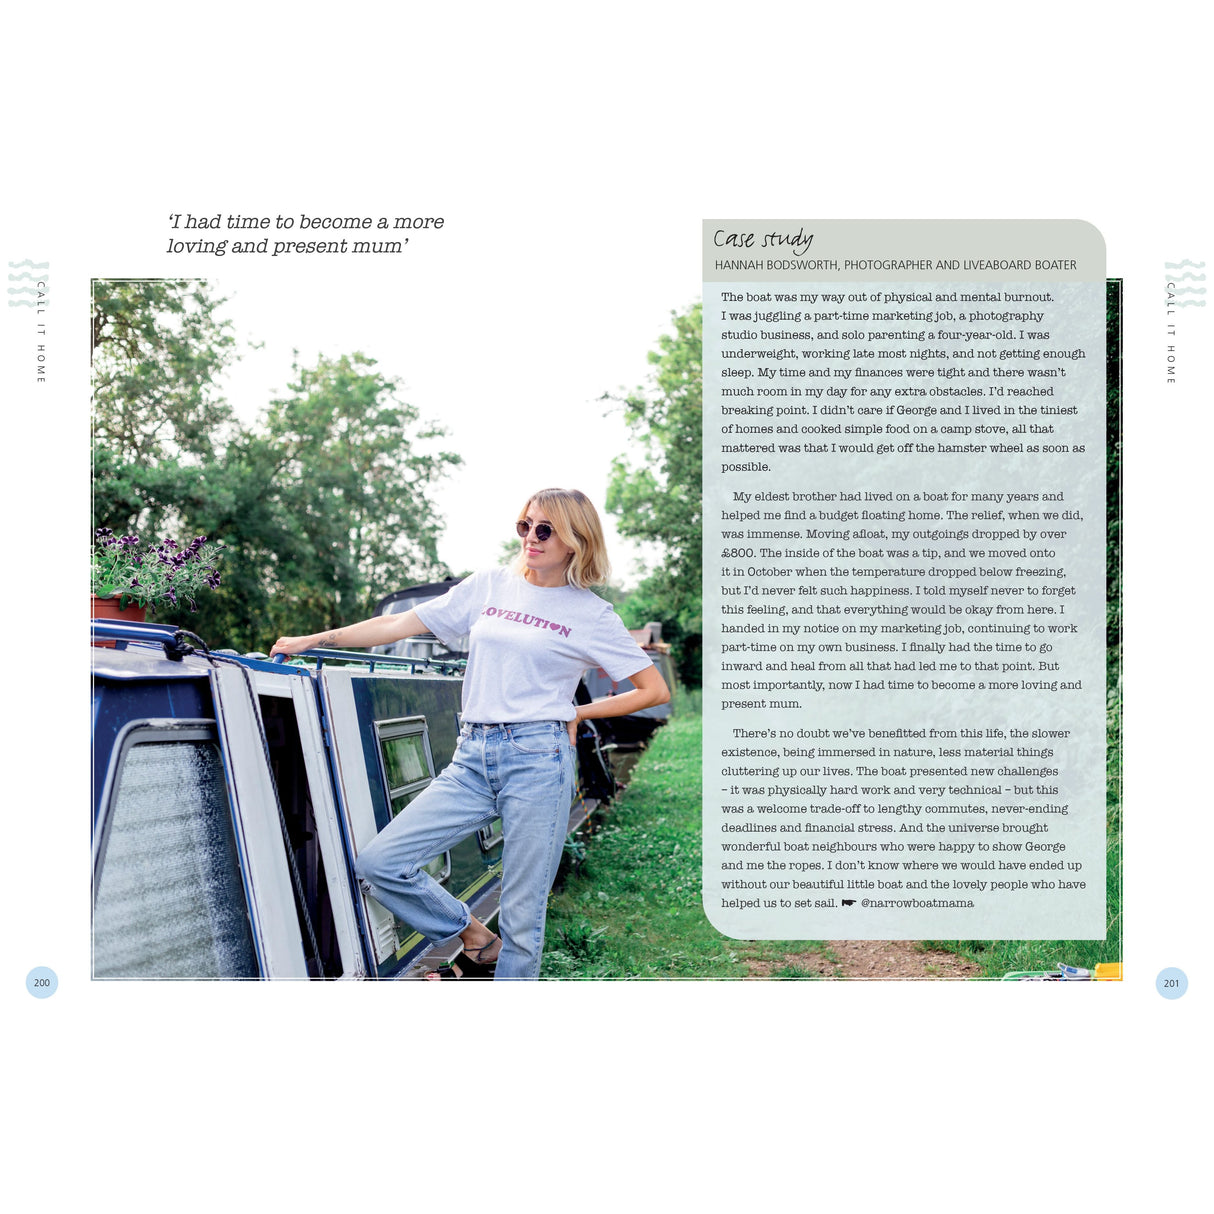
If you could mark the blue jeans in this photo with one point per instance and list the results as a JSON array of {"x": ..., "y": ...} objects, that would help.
[{"x": 522, "y": 773}]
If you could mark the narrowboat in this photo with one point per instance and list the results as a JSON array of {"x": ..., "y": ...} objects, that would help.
[{"x": 231, "y": 796}]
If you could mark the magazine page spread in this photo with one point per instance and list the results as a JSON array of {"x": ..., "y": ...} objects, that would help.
[{"x": 629, "y": 511}]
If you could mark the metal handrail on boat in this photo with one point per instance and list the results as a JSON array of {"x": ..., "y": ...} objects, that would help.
[
  {"x": 174, "y": 640},
  {"x": 413, "y": 665}
]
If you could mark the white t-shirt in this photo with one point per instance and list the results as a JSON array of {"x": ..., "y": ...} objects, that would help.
[{"x": 529, "y": 644}]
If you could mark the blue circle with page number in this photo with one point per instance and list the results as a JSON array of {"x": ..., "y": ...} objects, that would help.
[
  {"x": 1172, "y": 983},
  {"x": 41, "y": 982}
]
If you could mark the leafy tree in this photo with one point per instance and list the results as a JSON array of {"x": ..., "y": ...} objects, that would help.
[
  {"x": 353, "y": 475},
  {"x": 325, "y": 509},
  {"x": 158, "y": 350},
  {"x": 659, "y": 496},
  {"x": 323, "y": 506}
]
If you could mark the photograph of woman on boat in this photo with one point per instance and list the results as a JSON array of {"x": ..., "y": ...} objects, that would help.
[{"x": 535, "y": 626}]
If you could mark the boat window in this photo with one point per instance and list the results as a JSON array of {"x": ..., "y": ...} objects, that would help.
[
  {"x": 405, "y": 765},
  {"x": 168, "y": 897}
]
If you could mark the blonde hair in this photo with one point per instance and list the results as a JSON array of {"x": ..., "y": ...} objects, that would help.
[{"x": 576, "y": 524}]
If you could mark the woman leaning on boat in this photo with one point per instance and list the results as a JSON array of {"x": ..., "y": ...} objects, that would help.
[{"x": 534, "y": 628}]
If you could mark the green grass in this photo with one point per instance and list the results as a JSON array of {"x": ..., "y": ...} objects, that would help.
[{"x": 631, "y": 908}]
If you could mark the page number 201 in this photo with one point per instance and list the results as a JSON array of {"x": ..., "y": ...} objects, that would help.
[{"x": 1172, "y": 983}]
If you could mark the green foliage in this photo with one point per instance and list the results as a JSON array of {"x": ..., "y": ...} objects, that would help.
[
  {"x": 659, "y": 498},
  {"x": 352, "y": 481},
  {"x": 323, "y": 505},
  {"x": 157, "y": 351}
]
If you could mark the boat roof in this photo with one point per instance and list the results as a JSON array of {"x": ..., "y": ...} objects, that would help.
[
  {"x": 146, "y": 661},
  {"x": 162, "y": 651},
  {"x": 158, "y": 651}
]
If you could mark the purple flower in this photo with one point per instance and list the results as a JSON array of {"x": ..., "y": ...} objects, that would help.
[{"x": 102, "y": 531}]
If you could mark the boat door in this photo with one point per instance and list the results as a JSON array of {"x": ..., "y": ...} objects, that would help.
[{"x": 391, "y": 732}]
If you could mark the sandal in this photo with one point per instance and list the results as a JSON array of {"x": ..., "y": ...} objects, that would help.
[{"x": 474, "y": 963}]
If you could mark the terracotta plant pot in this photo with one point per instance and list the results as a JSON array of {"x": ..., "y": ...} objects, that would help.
[{"x": 107, "y": 609}]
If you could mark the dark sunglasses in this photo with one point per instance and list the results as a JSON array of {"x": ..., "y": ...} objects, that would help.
[{"x": 543, "y": 531}]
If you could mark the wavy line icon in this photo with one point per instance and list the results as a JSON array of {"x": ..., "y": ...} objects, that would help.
[
  {"x": 28, "y": 277},
  {"x": 1189, "y": 291},
  {"x": 23, "y": 303},
  {"x": 1190, "y": 303},
  {"x": 33, "y": 265},
  {"x": 1180, "y": 265},
  {"x": 22, "y": 291},
  {"x": 1187, "y": 274}
]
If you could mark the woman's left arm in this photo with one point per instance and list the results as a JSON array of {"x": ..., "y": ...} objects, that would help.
[{"x": 649, "y": 690}]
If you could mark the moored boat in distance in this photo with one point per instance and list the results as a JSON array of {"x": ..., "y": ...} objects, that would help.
[
  {"x": 425, "y": 644},
  {"x": 632, "y": 731}
]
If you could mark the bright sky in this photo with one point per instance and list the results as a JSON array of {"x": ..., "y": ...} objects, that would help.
[{"x": 512, "y": 366}]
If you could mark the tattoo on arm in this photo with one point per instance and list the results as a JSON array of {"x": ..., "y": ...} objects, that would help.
[{"x": 329, "y": 639}]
